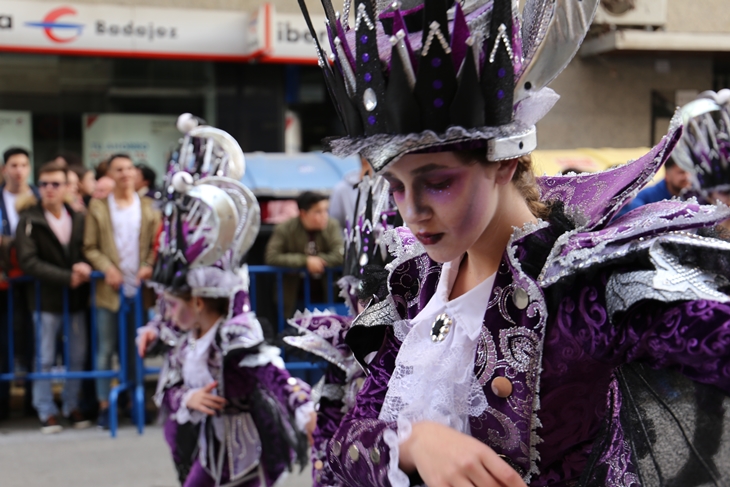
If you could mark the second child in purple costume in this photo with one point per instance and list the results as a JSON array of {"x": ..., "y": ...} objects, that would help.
[
  {"x": 323, "y": 334},
  {"x": 223, "y": 386},
  {"x": 250, "y": 413}
]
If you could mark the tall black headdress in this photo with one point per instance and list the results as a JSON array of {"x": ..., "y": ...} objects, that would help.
[{"x": 418, "y": 75}]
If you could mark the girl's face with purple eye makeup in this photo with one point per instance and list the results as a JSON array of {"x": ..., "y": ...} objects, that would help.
[
  {"x": 446, "y": 203},
  {"x": 180, "y": 312}
]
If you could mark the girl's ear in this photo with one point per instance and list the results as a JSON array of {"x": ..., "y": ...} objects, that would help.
[
  {"x": 505, "y": 171},
  {"x": 198, "y": 305}
]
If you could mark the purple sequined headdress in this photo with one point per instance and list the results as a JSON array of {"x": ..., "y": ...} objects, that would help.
[
  {"x": 210, "y": 219},
  {"x": 417, "y": 75},
  {"x": 704, "y": 149}
]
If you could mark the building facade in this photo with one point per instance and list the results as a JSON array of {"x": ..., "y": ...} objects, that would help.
[{"x": 69, "y": 74}]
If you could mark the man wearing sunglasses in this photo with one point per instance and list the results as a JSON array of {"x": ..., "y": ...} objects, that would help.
[{"x": 49, "y": 240}]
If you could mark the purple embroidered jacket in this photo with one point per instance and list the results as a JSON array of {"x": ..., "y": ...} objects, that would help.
[
  {"x": 603, "y": 295},
  {"x": 323, "y": 334}
]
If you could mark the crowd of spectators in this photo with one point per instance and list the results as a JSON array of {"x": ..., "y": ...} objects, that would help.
[
  {"x": 74, "y": 222},
  {"x": 79, "y": 220}
]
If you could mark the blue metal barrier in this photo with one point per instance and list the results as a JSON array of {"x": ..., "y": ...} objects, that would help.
[
  {"x": 280, "y": 273},
  {"x": 135, "y": 386},
  {"x": 94, "y": 373}
]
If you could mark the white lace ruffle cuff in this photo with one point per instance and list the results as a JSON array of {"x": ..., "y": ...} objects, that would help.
[
  {"x": 185, "y": 414},
  {"x": 393, "y": 440}
]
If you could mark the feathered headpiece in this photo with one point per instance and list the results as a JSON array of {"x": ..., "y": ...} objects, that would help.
[
  {"x": 210, "y": 219},
  {"x": 704, "y": 149},
  {"x": 420, "y": 75}
]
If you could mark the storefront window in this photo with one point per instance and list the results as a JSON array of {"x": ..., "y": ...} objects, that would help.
[{"x": 63, "y": 94}]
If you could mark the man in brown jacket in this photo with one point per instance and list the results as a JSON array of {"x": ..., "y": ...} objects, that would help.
[
  {"x": 118, "y": 241},
  {"x": 312, "y": 240}
]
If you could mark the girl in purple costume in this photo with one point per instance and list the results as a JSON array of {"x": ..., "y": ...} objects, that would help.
[
  {"x": 500, "y": 371},
  {"x": 250, "y": 413},
  {"x": 161, "y": 337},
  {"x": 525, "y": 324},
  {"x": 224, "y": 387},
  {"x": 324, "y": 334}
]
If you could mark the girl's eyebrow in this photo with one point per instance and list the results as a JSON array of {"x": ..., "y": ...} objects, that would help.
[
  {"x": 427, "y": 168},
  {"x": 418, "y": 171}
]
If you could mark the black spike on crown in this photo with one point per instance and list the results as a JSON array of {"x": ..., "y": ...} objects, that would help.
[
  {"x": 370, "y": 81},
  {"x": 498, "y": 75},
  {"x": 401, "y": 104},
  {"x": 387, "y": 98},
  {"x": 436, "y": 83},
  {"x": 467, "y": 109}
]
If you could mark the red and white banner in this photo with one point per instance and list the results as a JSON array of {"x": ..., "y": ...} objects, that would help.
[
  {"x": 108, "y": 30},
  {"x": 164, "y": 33}
]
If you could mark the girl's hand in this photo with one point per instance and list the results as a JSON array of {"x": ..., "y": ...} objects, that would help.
[
  {"x": 444, "y": 457},
  {"x": 144, "y": 339},
  {"x": 202, "y": 400}
]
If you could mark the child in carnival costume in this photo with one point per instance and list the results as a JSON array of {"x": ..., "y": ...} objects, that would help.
[
  {"x": 224, "y": 382},
  {"x": 162, "y": 337},
  {"x": 704, "y": 150},
  {"x": 325, "y": 334},
  {"x": 533, "y": 340}
]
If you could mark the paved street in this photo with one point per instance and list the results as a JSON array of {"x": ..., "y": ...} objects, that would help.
[{"x": 89, "y": 458}]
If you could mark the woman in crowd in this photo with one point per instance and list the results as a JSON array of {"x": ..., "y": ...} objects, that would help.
[
  {"x": 74, "y": 196},
  {"x": 526, "y": 326}
]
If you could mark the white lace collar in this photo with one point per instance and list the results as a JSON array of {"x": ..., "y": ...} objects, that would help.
[{"x": 467, "y": 310}]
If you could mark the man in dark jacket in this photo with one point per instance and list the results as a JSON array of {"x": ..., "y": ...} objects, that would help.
[
  {"x": 49, "y": 240},
  {"x": 312, "y": 240},
  {"x": 16, "y": 170}
]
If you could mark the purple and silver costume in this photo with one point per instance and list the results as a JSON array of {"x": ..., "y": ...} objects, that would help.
[
  {"x": 567, "y": 309},
  {"x": 704, "y": 150},
  {"x": 557, "y": 376},
  {"x": 323, "y": 333},
  {"x": 211, "y": 221}
]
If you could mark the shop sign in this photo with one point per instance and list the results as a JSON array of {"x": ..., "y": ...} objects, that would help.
[
  {"x": 147, "y": 139},
  {"x": 283, "y": 37},
  {"x": 107, "y": 30},
  {"x": 15, "y": 131}
]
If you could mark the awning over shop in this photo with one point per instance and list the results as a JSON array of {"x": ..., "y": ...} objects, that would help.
[
  {"x": 552, "y": 162},
  {"x": 632, "y": 40},
  {"x": 287, "y": 175}
]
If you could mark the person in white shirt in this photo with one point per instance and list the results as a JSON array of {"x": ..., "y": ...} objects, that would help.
[{"x": 118, "y": 241}]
